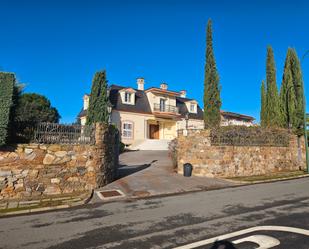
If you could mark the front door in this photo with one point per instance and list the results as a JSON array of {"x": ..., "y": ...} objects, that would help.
[{"x": 154, "y": 131}]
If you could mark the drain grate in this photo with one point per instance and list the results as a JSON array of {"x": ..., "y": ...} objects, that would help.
[{"x": 109, "y": 194}]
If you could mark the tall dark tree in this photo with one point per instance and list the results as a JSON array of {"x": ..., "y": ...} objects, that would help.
[
  {"x": 7, "y": 82},
  {"x": 298, "y": 83},
  {"x": 291, "y": 93},
  {"x": 263, "y": 105},
  {"x": 287, "y": 94},
  {"x": 273, "y": 112},
  {"x": 98, "y": 102},
  {"x": 32, "y": 107},
  {"x": 212, "y": 100}
]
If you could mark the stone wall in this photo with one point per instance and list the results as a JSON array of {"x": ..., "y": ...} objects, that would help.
[
  {"x": 232, "y": 161},
  {"x": 32, "y": 170}
]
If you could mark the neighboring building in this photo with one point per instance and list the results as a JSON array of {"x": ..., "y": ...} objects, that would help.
[
  {"x": 156, "y": 113},
  {"x": 232, "y": 118}
]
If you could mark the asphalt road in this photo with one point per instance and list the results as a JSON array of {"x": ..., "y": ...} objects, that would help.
[{"x": 168, "y": 222}]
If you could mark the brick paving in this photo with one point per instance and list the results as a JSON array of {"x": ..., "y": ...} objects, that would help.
[{"x": 150, "y": 173}]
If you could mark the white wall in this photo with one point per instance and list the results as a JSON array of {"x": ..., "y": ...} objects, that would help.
[{"x": 192, "y": 124}]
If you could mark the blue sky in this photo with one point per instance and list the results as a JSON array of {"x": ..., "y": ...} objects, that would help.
[{"x": 55, "y": 47}]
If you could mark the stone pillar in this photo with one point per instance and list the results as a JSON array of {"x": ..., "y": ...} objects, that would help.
[{"x": 107, "y": 153}]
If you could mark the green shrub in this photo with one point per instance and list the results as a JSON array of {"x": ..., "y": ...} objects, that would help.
[
  {"x": 7, "y": 82},
  {"x": 122, "y": 147}
]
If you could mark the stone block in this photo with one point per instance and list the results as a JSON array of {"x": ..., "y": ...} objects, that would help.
[
  {"x": 73, "y": 179},
  {"x": 65, "y": 159},
  {"x": 13, "y": 155},
  {"x": 28, "y": 151},
  {"x": 61, "y": 153},
  {"x": 54, "y": 147},
  {"x": 55, "y": 180},
  {"x": 33, "y": 146},
  {"x": 52, "y": 190},
  {"x": 19, "y": 187},
  {"x": 90, "y": 169},
  {"x": 5, "y": 173},
  {"x": 43, "y": 147},
  {"x": 33, "y": 173},
  {"x": 25, "y": 173},
  {"x": 49, "y": 159},
  {"x": 16, "y": 171},
  {"x": 30, "y": 156}
]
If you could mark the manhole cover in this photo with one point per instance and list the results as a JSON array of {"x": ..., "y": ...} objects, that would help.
[{"x": 109, "y": 194}]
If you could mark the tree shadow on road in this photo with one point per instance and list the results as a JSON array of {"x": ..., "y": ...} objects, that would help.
[{"x": 125, "y": 170}]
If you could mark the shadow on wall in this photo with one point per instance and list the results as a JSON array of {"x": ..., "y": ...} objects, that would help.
[{"x": 125, "y": 170}]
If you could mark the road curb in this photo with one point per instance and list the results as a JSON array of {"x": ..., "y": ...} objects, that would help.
[
  {"x": 50, "y": 208},
  {"x": 266, "y": 181}
]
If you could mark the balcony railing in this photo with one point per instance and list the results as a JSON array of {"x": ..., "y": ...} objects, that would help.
[{"x": 165, "y": 109}]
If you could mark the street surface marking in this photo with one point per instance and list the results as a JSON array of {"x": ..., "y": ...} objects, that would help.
[
  {"x": 263, "y": 241},
  {"x": 242, "y": 232}
]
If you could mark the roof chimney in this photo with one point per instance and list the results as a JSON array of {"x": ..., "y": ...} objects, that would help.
[
  {"x": 140, "y": 83},
  {"x": 86, "y": 101},
  {"x": 163, "y": 86},
  {"x": 183, "y": 93}
]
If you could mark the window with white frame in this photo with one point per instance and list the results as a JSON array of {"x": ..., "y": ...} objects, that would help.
[
  {"x": 127, "y": 129},
  {"x": 128, "y": 97},
  {"x": 192, "y": 107}
]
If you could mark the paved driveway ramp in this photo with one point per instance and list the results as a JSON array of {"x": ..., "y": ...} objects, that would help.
[{"x": 150, "y": 173}]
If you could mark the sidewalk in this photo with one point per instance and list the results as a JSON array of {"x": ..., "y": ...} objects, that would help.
[{"x": 150, "y": 173}]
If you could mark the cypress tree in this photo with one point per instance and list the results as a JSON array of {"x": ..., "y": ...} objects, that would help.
[
  {"x": 297, "y": 79},
  {"x": 97, "y": 111},
  {"x": 212, "y": 101},
  {"x": 263, "y": 104},
  {"x": 7, "y": 82},
  {"x": 287, "y": 94},
  {"x": 273, "y": 113}
]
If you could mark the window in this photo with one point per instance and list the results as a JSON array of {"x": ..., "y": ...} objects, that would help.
[
  {"x": 192, "y": 107},
  {"x": 162, "y": 105},
  {"x": 127, "y": 129},
  {"x": 127, "y": 97}
]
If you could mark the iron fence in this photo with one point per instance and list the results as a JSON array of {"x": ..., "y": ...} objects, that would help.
[
  {"x": 64, "y": 134},
  {"x": 249, "y": 136}
]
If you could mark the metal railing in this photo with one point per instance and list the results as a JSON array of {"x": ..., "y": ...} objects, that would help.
[
  {"x": 52, "y": 133},
  {"x": 166, "y": 108},
  {"x": 247, "y": 136}
]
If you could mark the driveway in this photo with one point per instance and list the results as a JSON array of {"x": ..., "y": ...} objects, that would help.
[{"x": 150, "y": 173}]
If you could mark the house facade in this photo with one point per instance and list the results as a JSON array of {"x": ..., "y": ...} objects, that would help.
[{"x": 156, "y": 113}]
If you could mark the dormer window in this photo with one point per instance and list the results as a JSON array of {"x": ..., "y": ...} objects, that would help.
[
  {"x": 192, "y": 107},
  {"x": 128, "y": 97}
]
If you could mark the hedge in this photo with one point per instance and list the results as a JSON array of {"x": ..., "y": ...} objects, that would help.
[{"x": 7, "y": 82}]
